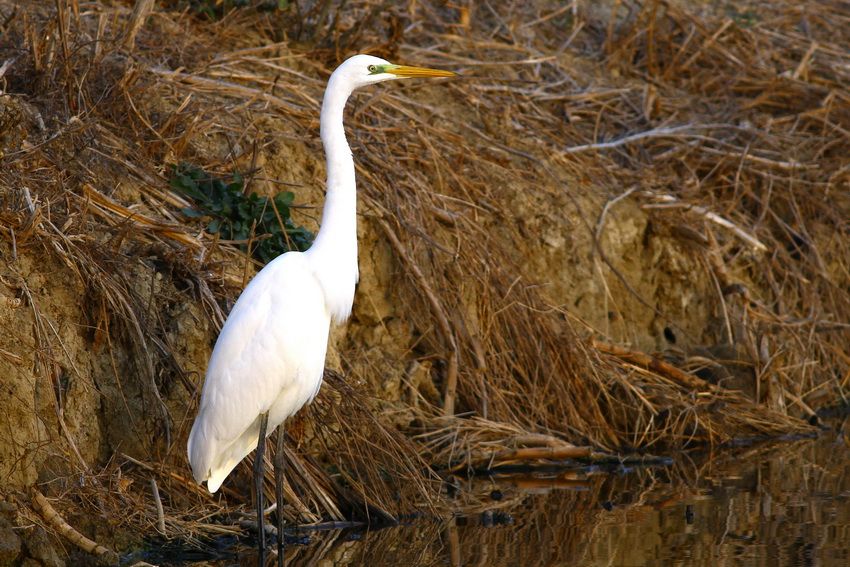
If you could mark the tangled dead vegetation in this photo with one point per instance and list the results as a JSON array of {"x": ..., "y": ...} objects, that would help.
[{"x": 626, "y": 227}]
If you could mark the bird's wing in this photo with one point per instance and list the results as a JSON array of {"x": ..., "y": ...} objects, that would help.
[{"x": 269, "y": 357}]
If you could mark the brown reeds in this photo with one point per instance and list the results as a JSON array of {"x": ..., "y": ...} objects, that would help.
[{"x": 721, "y": 138}]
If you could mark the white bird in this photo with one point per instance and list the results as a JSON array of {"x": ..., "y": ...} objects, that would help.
[{"x": 269, "y": 358}]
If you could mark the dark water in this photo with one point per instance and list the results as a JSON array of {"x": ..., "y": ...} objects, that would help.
[{"x": 781, "y": 504}]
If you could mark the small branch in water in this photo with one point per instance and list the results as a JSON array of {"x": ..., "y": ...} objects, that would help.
[
  {"x": 552, "y": 453},
  {"x": 335, "y": 525},
  {"x": 518, "y": 460},
  {"x": 247, "y": 524},
  {"x": 507, "y": 456}
]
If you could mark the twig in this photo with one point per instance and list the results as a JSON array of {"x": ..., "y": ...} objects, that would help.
[
  {"x": 711, "y": 41},
  {"x": 558, "y": 453},
  {"x": 656, "y": 365},
  {"x": 268, "y": 527},
  {"x": 608, "y": 205},
  {"x": 160, "y": 514},
  {"x": 552, "y": 453},
  {"x": 54, "y": 520},
  {"x": 783, "y": 165},
  {"x": 171, "y": 231},
  {"x": 333, "y": 525},
  {"x": 506, "y": 456},
  {"x": 140, "y": 13},
  {"x": 804, "y": 62},
  {"x": 5, "y": 67},
  {"x": 714, "y": 217},
  {"x": 226, "y": 88},
  {"x": 549, "y": 16},
  {"x": 185, "y": 482},
  {"x": 663, "y": 132}
]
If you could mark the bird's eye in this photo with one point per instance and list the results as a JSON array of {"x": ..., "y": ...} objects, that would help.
[{"x": 372, "y": 69}]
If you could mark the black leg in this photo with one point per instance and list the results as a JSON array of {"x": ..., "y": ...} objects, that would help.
[
  {"x": 279, "y": 460},
  {"x": 258, "y": 486}
]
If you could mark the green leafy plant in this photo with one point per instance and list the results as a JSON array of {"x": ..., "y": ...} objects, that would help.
[{"x": 262, "y": 222}]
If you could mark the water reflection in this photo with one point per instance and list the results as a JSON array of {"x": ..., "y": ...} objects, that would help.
[{"x": 783, "y": 504}]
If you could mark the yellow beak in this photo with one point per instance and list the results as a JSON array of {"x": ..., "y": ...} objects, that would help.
[{"x": 405, "y": 72}]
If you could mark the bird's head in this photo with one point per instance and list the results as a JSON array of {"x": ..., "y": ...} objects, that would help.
[{"x": 362, "y": 70}]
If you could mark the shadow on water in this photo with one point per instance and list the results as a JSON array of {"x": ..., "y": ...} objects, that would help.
[{"x": 776, "y": 504}]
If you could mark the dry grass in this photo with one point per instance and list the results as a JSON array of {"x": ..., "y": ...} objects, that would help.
[{"x": 730, "y": 129}]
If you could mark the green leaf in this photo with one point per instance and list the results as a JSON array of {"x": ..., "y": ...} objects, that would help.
[
  {"x": 284, "y": 199},
  {"x": 191, "y": 213},
  {"x": 237, "y": 215}
]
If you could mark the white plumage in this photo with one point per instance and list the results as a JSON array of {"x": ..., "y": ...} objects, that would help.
[
  {"x": 269, "y": 358},
  {"x": 270, "y": 355}
]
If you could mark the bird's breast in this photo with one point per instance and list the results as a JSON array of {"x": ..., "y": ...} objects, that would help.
[{"x": 337, "y": 276}]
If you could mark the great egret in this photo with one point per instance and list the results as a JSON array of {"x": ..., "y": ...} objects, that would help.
[{"x": 269, "y": 359}]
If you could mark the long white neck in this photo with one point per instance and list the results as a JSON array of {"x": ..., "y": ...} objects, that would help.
[{"x": 334, "y": 251}]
